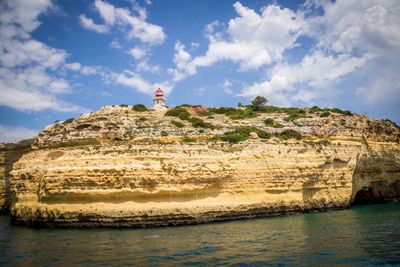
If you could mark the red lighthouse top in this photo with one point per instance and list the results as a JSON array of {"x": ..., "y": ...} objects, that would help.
[{"x": 159, "y": 92}]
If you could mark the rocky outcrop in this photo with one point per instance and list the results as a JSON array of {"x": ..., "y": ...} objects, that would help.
[{"x": 113, "y": 168}]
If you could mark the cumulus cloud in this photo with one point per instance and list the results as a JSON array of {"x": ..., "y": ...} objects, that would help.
[
  {"x": 15, "y": 133},
  {"x": 115, "y": 44},
  {"x": 352, "y": 37},
  {"x": 144, "y": 65},
  {"x": 25, "y": 64},
  {"x": 137, "y": 52},
  {"x": 89, "y": 24},
  {"x": 135, "y": 81},
  {"x": 227, "y": 85},
  {"x": 73, "y": 66},
  {"x": 134, "y": 19},
  {"x": 252, "y": 40}
]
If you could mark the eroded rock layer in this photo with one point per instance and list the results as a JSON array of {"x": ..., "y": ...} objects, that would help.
[{"x": 113, "y": 175}]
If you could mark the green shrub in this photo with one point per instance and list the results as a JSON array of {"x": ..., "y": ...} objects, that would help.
[
  {"x": 235, "y": 114},
  {"x": 123, "y": 105},
  {"x": 199, "y": 123},
  {"x": 342, "y": 122},
  {"x": 344, "y": 112},
  {"x": 177, "y": 124},
  {"x": 164, "y": 133},
  {"x": 287, "y": 134},
  {"x": 263, "y": 134},
  {"x": 243, "y": 114},
  {"x": 188, "y": 140},
  {"x": 187, "y": 105},
  {"x": 242, "y": 133},
  {"x": 223, "y": 110},
  {"x": 142, "y": 119},
  {"x": 269, "y": 122},
  {"x": 234, "y": 138},
  {"x": 315, "y": 109},
  {"x": 337, "y": 110},
  {"x": 270, "y": 109},
  {"x": 69, "y": 120},
  {"x": 139, "y": 107},
  {"x": 325, "y": 114},
  {"x": 203, "y": 113},
  {"x": 176, "y": 112},
  {"x": 184, "y": 116},
  {"x": 295, "y": 116},
  {"x": 277, "y": 125},
  {"x": 259, "y": 102}
]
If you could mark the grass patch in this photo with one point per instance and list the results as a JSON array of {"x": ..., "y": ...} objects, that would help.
[
  {"x": 164, "y": 133},
  {"x": 123, "y": 105},
  {"x": 188, "y": 140}
]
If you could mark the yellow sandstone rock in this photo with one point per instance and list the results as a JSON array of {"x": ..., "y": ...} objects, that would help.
[{"x": 112, "y": 168}]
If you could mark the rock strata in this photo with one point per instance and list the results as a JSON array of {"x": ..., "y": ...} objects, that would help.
[{"x": 112, "y": 168}]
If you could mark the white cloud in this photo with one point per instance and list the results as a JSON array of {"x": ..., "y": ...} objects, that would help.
[
  {"x": 138, "y": 27},
  {"x": 16, "y": 133},
  {"x": 145, "y": 66},
  {"x": 200, "y": 91},
  {"x": 349, "y": 40},
  {"x": 137, "y": 52},
  {"x": 59, "y": 86},
  {"x": 73, "y": 66},
  {"x": 28, "y": 79},
  {"x": 227, "y": 85},
  {"x": 316, "y": 71},
  {"x": 253, "y": 40},
  {"x": 353, "y": 37},
  {"x": 181, "y": 60},
  {"x": 115, "y": 44},
  {"x": 89, "y": 24},
  {"x": 135, "y": 81},
  {"x": 107, "y": 11},
  {"x": 89, "y": 70},
  {"x": 25, "y": 12}
]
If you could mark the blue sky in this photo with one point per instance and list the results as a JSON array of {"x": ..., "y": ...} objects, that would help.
[{"x": 59, "y": 59}]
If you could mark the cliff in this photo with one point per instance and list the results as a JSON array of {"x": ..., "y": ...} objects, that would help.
[{"x": 125, "y": 168}]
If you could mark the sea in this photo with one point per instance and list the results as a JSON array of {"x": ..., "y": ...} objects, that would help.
[{"x": 361, "y": 235}]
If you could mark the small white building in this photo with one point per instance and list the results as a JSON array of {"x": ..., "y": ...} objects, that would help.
[{"x": 159, "y": 99}]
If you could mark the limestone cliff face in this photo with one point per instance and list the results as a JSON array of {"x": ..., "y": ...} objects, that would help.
[{"x": 112, "y": 168}]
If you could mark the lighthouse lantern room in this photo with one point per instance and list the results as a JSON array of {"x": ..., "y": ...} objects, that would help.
[{"x": 159, "y": 99}]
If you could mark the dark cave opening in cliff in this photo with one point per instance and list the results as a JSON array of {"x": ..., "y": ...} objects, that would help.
[{"x": 368, "y": 196}]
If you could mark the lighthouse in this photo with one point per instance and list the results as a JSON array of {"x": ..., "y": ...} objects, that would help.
[{"x": 159, "y": 99}]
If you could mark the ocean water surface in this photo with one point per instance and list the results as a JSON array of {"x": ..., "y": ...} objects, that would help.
[{"x": 361, "y": 235}]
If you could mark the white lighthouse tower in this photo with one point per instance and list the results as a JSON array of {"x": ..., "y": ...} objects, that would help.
[{"x": 159, "y": 99}]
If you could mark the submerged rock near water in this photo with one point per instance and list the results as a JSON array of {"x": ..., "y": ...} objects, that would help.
[{"x": 118, "y": 167}]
